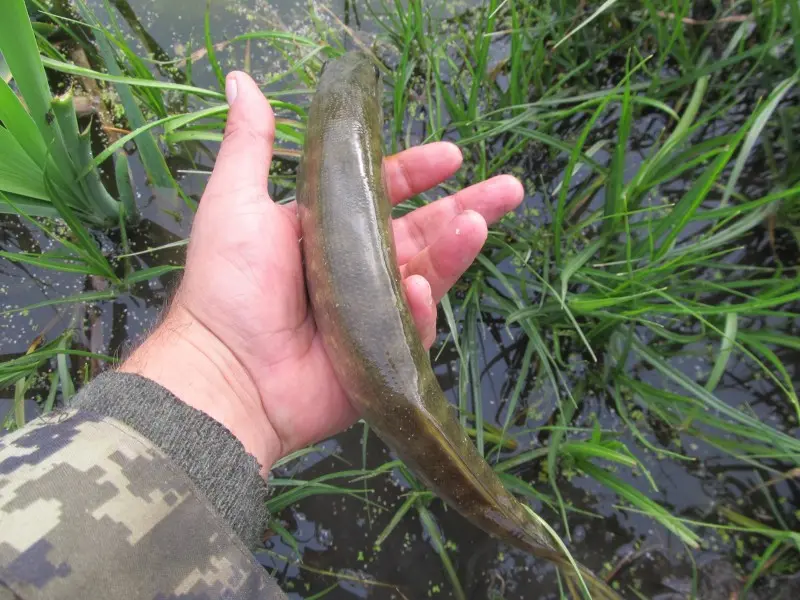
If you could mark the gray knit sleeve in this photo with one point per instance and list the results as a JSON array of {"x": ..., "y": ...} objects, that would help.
[{"x": 212, "y": 457}]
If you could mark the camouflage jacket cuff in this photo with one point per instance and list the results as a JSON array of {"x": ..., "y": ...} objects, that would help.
[
  {"x": 91, "y": 508},
  {"x": 209, "y": 454}
]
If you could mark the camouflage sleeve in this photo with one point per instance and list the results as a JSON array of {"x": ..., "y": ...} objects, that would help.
[
  {"x": 90, "y": 508},
  {"x": 201, "y": 447}
]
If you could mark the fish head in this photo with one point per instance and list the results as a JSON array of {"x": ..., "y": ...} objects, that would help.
[{"x": 351, "y": 82}]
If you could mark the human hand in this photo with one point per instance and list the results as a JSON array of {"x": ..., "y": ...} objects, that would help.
[{"x": 239, "y": 341}]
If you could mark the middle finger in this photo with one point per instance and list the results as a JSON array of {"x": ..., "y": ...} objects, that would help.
[
  {"x": 491, "y": 199},
  {"x": 419, "y": 168}
]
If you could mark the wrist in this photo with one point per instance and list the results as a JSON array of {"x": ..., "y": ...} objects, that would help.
[{"x": 186, "y": 358}]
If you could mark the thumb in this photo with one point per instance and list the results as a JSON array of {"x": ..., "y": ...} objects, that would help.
[{"x": 246, "y": 152}]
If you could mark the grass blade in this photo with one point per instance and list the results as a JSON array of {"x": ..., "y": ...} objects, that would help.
[
  {"x": 212, "y": 54},
  {"x": 63, "y": 67},
  {"x": 725, "y": 349},
  {"x": 438, "y": 544},
  {"x": 600, "y": 9},
  {"x": 759, "y": 123},
  {"x": 639, "y": 500},
  {"x": 18, "y": 47}
]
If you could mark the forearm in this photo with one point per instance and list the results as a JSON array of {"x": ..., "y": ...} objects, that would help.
[
  {"x": 135, "y": 495},
  {"x": 206, "y": 451},
  {"x": 186, "y": 358}
]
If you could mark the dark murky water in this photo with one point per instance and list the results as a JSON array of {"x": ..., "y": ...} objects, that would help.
[{"x": 336, "y": 534}]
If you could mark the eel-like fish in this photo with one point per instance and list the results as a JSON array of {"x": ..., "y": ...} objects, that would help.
[{"x": 367, "y": 329}]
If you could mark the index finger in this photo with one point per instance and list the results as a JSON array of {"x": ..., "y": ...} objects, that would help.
[{"x": 419, "y": 168}]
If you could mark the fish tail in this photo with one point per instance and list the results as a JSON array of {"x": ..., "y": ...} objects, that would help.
[
  {"x": 535, "y": 541},
  {"x": 598, "y": 588}
]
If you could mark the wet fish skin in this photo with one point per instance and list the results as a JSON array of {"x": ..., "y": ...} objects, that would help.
[{"x": 359, "y": 306}]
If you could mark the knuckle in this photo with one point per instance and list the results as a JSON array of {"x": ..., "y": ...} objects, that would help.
[{"x": 249, "y": 131}]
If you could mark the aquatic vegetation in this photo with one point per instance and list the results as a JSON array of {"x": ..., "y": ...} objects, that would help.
[
  {"x": 46, "y": 160},
  {"x": 642, "y": 304}
]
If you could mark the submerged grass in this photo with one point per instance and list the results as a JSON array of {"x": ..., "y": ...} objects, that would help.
[{"x": 655, "y": 258}]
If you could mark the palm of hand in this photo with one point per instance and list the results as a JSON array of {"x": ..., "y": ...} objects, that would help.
[{"x": 276, "y": 338}]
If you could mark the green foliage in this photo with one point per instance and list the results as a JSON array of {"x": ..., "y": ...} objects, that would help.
[{"x": 41, "y": 146}]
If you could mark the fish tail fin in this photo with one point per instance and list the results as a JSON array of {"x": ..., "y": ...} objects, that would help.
[
  {"x": 598, "y": 588},
  {"x": 555, "y": 551}
]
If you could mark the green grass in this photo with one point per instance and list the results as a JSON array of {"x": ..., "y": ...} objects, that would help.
[
  {"x": 43, "y": 150},
  {"x": 630, "y": 260}
]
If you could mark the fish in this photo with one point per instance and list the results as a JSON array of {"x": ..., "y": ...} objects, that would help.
[{"x": 360, "y": 310}]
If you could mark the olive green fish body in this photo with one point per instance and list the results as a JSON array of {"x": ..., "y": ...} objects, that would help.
[{"x": 359, "y": 307}]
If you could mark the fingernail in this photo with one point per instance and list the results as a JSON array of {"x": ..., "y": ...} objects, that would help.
[
  {"x": 230, "y": 89},
  {"x": 429, "y": 292}
]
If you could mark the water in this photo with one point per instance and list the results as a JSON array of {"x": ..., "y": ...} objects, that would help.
[{"x": 336, "y": 534}]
